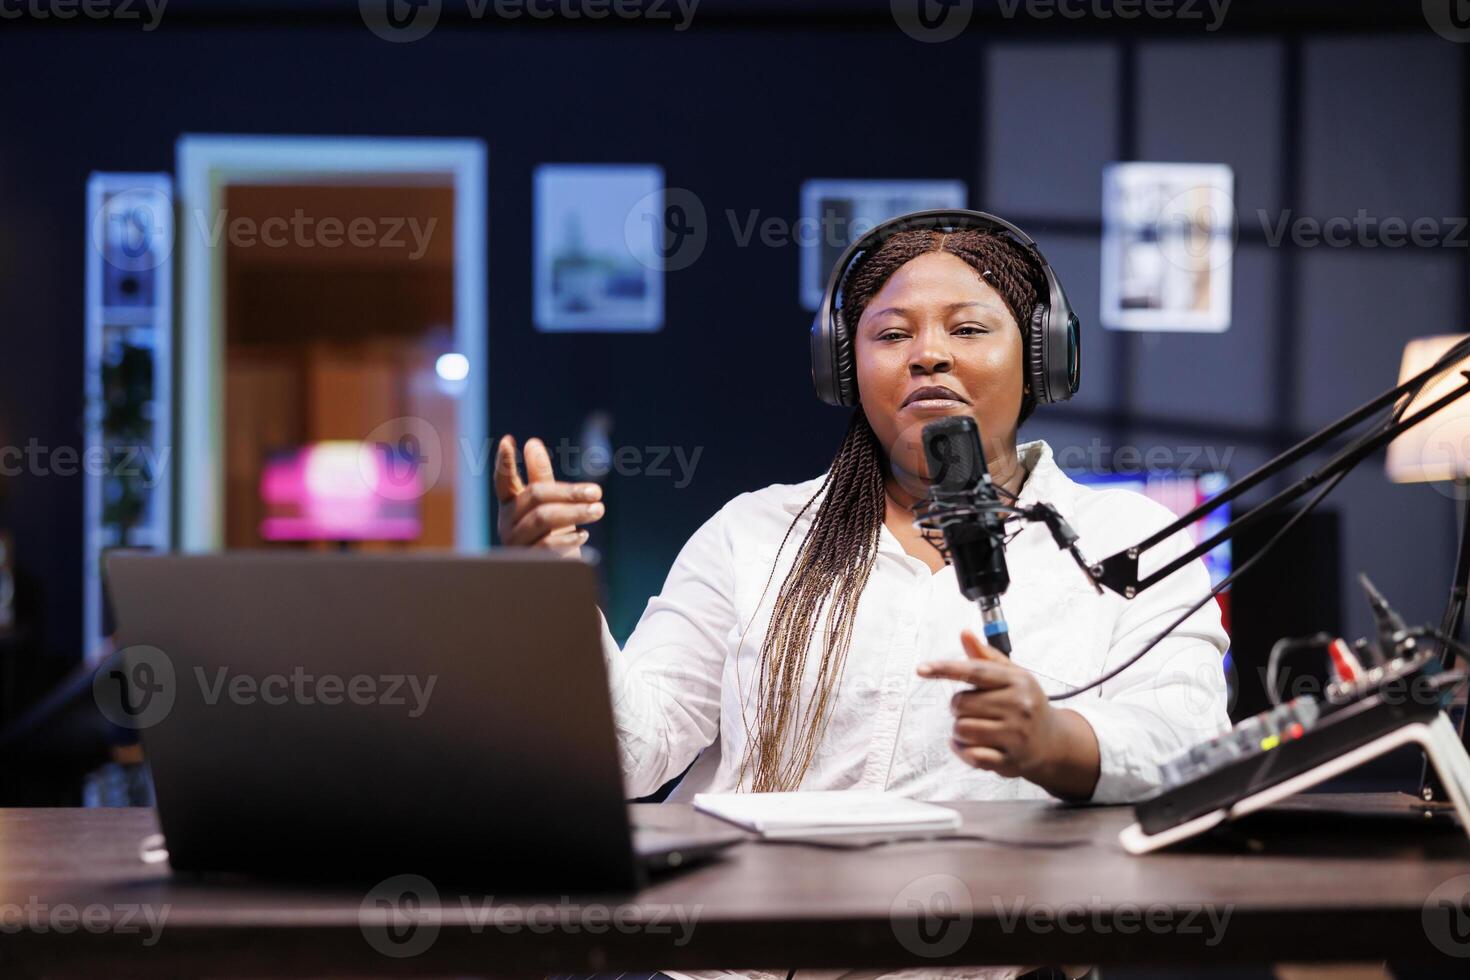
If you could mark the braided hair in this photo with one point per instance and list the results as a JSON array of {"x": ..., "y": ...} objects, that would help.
[{"x": 836, "y": 557}]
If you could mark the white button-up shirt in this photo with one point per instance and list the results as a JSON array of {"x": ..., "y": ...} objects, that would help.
[{"x": 684, "y": 687}]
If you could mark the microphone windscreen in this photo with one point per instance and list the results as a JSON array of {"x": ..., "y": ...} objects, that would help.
[{"x": 953, "y": 454}]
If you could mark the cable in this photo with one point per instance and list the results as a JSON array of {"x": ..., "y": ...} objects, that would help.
[
  {"x": 1284, "y": 646},
  {"x": 1224, "y": 584},
  {"x": 1445, "y": 363}
]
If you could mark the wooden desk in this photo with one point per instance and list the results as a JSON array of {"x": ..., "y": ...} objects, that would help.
[{"x": 1276, "y": 891}]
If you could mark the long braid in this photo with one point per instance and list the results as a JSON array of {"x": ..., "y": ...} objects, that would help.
[{"x": 836, "y": 557}]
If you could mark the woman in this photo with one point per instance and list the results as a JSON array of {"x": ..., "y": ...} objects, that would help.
[{"x": 808, "y": 636}]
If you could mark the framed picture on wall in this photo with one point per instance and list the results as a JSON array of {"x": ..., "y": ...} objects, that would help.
[
  {"x": 1168, "y": 235},
  {"x": 598, "y": 231},
  {"x": 834, "y": 213}
]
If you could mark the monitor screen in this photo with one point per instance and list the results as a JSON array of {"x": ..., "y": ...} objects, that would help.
[
  {"x": 1181, "y": 493},
  {"x": 340, "y": 490}
]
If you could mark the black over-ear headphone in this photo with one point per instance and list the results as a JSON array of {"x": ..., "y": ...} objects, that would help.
[{"x": 1053, "y": 349}]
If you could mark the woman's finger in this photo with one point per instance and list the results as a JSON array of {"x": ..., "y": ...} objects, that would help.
[
  {"x": 980, "y": 731},
  {"x": 538, "y": 462},
  {"x": 982, "y": 704},
  {"x": 556, "y": 493},
  {"x": 978, "y": 649},
  {"x": 566, "y": 541},
  {"x": 540, "y": 521},
  {"x": 993, "y": 760},
  {"x": 976, "y": 673},
  {"x": 507, "y": 473}
]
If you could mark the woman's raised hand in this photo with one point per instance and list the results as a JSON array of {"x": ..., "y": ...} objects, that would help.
[{"x": 542, "y": 512}]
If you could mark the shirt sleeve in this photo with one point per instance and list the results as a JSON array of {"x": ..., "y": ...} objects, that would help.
[
  {"x": 1172, "y": 698},
  {"x": 665, "y": 682}
]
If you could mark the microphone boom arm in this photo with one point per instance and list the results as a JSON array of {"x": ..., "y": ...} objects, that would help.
[{"x": 1119, "y": 572}]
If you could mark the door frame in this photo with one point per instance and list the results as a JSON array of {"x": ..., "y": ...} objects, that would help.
[{"x": 205, "y": 165}]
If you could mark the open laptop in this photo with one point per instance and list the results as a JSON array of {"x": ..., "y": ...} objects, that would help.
[{"x": 336, "y": 716}]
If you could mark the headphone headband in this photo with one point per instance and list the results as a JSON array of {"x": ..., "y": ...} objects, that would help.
[{"x": 1053, "y": 348}]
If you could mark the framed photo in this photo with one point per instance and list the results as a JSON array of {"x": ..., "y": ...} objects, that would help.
[
  {"x": 598, "y": 231},
  {"x": 835, "y": 213},
  {"x": 1168, "y": 237}
]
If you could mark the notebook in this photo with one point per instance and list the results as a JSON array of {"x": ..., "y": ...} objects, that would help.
[{"x": 827, "y": 813}]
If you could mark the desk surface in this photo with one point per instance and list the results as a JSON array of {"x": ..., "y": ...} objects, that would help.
[{"x": 76, "y": 897}]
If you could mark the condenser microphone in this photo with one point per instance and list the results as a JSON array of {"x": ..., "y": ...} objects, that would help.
[{"x": 964, "y": 507}]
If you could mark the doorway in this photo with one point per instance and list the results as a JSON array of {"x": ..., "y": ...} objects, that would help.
[{"x": 332, "y": 344}]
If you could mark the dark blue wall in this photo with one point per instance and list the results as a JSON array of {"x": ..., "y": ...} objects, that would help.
[{"x": 1321, "y": 124}]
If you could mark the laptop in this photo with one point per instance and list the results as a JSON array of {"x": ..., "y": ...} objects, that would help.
[{"x": 352, "y": 717}]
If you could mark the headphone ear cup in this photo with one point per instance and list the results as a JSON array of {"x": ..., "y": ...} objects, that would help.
[
  {"x": 844, "y": 369},
  {"x": 1036, "y": 355}
]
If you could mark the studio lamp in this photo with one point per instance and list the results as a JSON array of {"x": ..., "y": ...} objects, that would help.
[{"x": 1438, "y": 451}]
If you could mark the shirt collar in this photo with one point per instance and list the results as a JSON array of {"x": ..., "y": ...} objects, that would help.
[{"x": 1044, "y": 481}]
